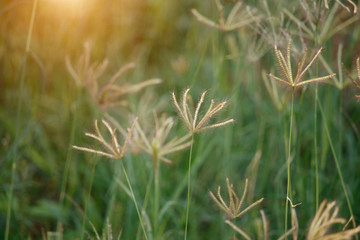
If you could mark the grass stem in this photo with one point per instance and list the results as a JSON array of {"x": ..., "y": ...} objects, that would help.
[
  {"x": 188, "y": 190},
  {"x": 18, "y": 112},
  {"x": 88, "y": 197},
  {"x": 336, "y": 163},
  {"x": 288, "y": 188},
  {"x": 156, "y": 201},
  {"x": 316, "y": 151},
  {"x": 134, "y": 199}
]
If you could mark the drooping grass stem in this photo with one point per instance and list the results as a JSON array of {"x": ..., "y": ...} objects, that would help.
[
  {"x": 288, "y": 188},
  {"x": 134, "y": 199},
  {"x": 336, "y": 162},
  {"x": 18, "y": 112},
  {"x": 188, "y": 190},
  {"x": 88, "y": 197}
]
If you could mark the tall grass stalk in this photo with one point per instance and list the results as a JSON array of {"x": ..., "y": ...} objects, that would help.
[
  {"x": 337, "y": 163},
  {"x": 134, "y": 199},
  {"x": 288, "y": 188},
  {"x": 316, "y": 150},
  {"x": 88, "y": 196},
  {"x": 156, "y": 193},
  {"x": 65, "y": 176},
  {"x": 188, "y": 190},
  {"x": 18, "y": 112}
]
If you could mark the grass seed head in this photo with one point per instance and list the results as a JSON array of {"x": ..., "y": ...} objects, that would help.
[
  {"x": 233, "y": 208},
  {"x": 87, "y": 74},
  {"x": 285, "y": 65},
  {"x": 324, "y": 219},
  {"x": 157, "y": 144},
  {"x": 112, "y": 148},
  {"x": 355, "y": 81},
  {"x": 237, "y": 18},
  {"x": 193, "y": 122},
  {"x": 343, "y": 5}
]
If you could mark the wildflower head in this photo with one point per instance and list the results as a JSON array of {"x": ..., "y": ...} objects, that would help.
[
  {"x": 193, "y": 122},
  {"x": 356, "y": 81},
  {"x": 324, "y": 219},
  {"x": 233, "y": 208},
  {"x": 157, "y": 144},
  {"x": 285, "y": 65},
  {"x": 112, "y": 148}
]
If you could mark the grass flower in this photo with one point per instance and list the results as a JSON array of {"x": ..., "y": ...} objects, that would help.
[
  {"x": 113, "y": 148},
  {"x": 342, "y": 5},
  {"x": 324, "y": 219},
  {"x": 238, "y": 17},
  {"x": 107, "y": 233},
  {"x": 293, "y": 231},
  {"x": 157, "y": 145},
  {"x": 233, "y": 208},
  {"x": 192, "y": 121},
  {"x": 356, "y": 82},
  {"x": 278, "y": 99},
  {"x": 87, "y": 74},
  {"x": 285, "y": 65}
]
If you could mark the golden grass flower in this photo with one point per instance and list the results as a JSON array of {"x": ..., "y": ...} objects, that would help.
[
  {"x": 157, "y": 145},
  {"x": 342, "y": 5},
  {"x": 356, "y": 82},
  {"x": 285, "y": 65},
  {"x": 110, "y": 95},
  {"x": 192, "y": 121},
  {"x": 324, "y": 219},
  {"x": 238, "y": 17},
  {"x": 233, "y": 208},
  {"x": 293, "y": 231},
  {"x": 112, "y": 148}
]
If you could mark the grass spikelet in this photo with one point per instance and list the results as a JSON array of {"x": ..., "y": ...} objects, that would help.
[
  {"x": 157, "y": 145},
  {"x": 356, "y": 81},
  {"x": 325, "y": 218},
  {"x": 191, "y": 120},
  {"x": 110, "y": 95},
  {"x": 113, "y": 148},
  {"x": 285, "y": 65},
  {"x": 237, "y": 18},
  {"x": 343, "y": 5},
  {"x": 233, "y": 208}
]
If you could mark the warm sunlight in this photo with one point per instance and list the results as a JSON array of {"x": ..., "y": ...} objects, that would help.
[
  {"x": 156, "y": 120},
  {"x": 70, "y": 6}
]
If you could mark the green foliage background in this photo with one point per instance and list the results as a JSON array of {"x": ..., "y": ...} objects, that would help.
[{"x": 54, "y": 114}]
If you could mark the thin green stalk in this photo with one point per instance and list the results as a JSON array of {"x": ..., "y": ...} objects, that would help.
[
  {"x": 18, "y": 112},
  {"x": 88, "y": 197},
  {"x": 337, "y": 163},
  {"x": 64, "y": 181},
  {"x": 134, "y": 199},
  {"x": 316, "y": 151},
  {"x": 68, "y": 160},
  {"x": 289, "y": 160},
  {"x": 156, "y": 193},
  {"x": 156, "y": 204},
  {"x": 188, "y": 191}
]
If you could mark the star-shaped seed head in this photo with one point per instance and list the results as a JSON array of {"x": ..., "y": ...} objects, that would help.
[
  {"x": 192, "y": 121},
  {"x": 112, "y": 148},
  {"x": 233, "y": 208},
  {"x": 285, "y": 64},
  {"x": 356, "y": 81}
]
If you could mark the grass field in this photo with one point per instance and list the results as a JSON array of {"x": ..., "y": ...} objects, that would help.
[{"x": 149, "y": 119}]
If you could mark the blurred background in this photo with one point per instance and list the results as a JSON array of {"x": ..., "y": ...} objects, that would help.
[{"x": 43, "y": 112}]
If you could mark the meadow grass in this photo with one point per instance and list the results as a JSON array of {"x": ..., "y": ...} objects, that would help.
[{"x": 180, "y": 170}]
